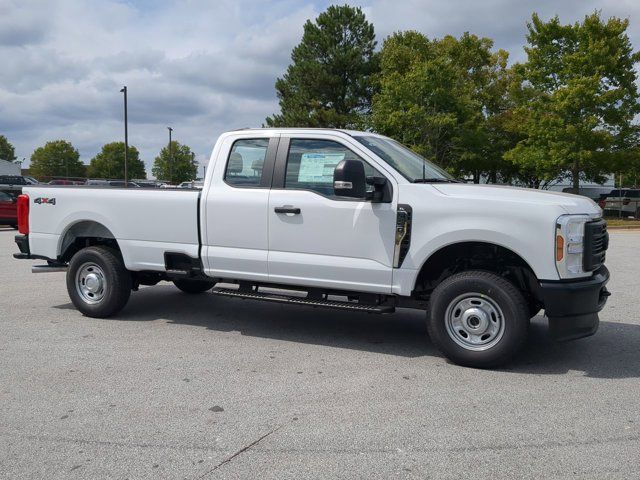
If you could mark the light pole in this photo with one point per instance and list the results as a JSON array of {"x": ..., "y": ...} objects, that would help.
[
  {"x": 170, "y": 158},
  {"x": 126, "y": 136}
]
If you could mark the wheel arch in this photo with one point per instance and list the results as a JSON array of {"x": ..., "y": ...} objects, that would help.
[
  {"x": 476, "y": 255},
  {"x": 84, "y": 233}
]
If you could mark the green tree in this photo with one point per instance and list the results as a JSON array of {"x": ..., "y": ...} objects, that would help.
[
  {"x": 57, "y": 158},
  {"x": 109, "y": 163},
  {"x": 576, "y": 99},
  {"x": 7, "y": 152},
  {"x": 176, "y": 166},
  {"x": 444, "y": 98},
  {"x": 330, "y": 80}
]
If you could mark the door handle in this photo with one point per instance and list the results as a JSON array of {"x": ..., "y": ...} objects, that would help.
[{"x": 294, "y": 210}]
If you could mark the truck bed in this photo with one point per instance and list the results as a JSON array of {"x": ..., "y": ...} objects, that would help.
[{"x": 146, "y": 223}]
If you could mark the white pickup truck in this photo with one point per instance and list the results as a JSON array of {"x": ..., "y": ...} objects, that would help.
[{"x": 338, "y": 219}]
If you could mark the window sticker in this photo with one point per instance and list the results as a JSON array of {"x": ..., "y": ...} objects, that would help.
[{"x": 318, "y": 167}]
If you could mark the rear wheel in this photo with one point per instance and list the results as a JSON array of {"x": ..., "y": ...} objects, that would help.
[
  {"x": 478, "y": 319},
  {"x": 193, "y": 286},
  {"x": 98, "y": 283}
]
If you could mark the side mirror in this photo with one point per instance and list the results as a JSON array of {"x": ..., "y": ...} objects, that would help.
[
  {"x": 381, "y": 190},
  {"x": 349, "y": 179}
]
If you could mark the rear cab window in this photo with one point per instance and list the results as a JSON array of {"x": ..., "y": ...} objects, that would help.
[{"x": 246, "y": 162}]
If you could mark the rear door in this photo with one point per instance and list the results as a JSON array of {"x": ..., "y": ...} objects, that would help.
[
  {"x": 235, "y": 241},
  {"x": 325, "y": 240}
]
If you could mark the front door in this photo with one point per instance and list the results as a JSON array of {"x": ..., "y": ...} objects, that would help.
[{"x": 318, "y": 239}]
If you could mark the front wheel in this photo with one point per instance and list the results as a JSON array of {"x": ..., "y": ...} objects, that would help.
[
  {"x": 193, "y": 286},
  {"x": 98, "y": 283},
  {"x": 478, "y": 319}
]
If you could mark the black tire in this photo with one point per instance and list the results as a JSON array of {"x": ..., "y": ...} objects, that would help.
[
  {"x": 105, "y": 264},
  {"x": 193, "y": 286},
  {"x": 500, "y": 307}
]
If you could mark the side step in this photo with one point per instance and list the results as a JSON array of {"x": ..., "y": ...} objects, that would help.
[{"x": 272, "y": 297}]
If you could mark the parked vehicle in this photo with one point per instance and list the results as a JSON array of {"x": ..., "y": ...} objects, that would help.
[
  {"x": 625, "y": 202},
  {"x": 594, "y": 193},
  {"x": 62, "y": 181},
  {"x": 8, "y": 180},
  {"x": 8, "y": 207},
  {"x": 192, "y": 184},
  {"x": 146, "y": 183},
  {"x": 121, "y": 184},
  {"x": 337, "y": 219},
  {"x": 97, "y": 182},
  {"x": 30, "y": 180}
]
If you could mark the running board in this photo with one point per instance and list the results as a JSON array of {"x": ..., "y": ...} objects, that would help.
[
  {"x": 272, "y": 297},
  {"x": 48, "y": 268}
]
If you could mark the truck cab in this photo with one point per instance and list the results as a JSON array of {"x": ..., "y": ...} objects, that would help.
[{"x": 338, "y": 219}]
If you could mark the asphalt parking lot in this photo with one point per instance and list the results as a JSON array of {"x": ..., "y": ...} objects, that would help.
[{"x": 202, "y": 387}]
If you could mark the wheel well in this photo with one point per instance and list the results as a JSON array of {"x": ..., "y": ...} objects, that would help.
[
  {"x": 85, "y": 234},
  {"x": 459, "y": 257}
]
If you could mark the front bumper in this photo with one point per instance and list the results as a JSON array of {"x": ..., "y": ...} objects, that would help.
[{"x": 572, "y": 306}]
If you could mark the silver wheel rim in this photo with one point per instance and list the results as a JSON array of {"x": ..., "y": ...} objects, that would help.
[
  {"x": 474, "y": 321},
  {"x": 91, "y": 283}
]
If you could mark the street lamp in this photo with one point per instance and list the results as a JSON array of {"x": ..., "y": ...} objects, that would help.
[
  {"x": 126, "y": 136},
  {"x": 170, "y": 157}
]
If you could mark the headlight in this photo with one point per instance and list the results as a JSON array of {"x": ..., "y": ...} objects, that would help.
[{"x": 570, "y": 245}]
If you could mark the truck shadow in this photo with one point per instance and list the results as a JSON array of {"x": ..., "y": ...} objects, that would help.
[{"x": 612, "y": 353}]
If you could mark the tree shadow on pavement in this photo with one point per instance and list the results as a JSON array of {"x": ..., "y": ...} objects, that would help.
[{"x": 613, "y": 352}]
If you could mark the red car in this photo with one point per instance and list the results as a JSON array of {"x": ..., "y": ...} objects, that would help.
[{"x": 8, "y": 208}]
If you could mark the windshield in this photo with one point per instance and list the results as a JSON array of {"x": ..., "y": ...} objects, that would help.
[{"x": 411, "y": 165}]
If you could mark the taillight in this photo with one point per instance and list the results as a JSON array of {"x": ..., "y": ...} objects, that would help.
[
  {"x": 602, "y": 204},
  {"x": 23, "y": 214}
]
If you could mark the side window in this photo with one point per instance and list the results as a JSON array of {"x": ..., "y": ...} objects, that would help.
[
  {"x": 311, "y": 162},
  {"x": 245, "y": 163}
]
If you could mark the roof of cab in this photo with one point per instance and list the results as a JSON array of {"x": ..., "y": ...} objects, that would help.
[{"x": 306, "y": 130}]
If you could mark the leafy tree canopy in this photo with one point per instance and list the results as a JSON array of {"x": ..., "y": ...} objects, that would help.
[
  {"x": 57, "y": 158},
  {"x": 7, "y": 152},
  {"x": 442, "y": 98},
  {"x": 109, "y": 163},
  {"x": 175, "y": 166},
  {"x": 576, "y": 98},
  {"x": 329, "y": 82}
]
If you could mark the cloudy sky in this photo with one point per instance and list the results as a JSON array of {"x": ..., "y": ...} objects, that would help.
[{"x": 200, "y": 66}]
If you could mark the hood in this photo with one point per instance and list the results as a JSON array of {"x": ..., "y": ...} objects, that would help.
[{"x": 570, "y": 203}]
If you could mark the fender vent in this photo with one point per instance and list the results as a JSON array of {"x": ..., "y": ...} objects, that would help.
[{"x": 403, "y": 234}]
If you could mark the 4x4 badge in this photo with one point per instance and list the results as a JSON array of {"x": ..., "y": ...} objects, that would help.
[{"x": 41, "y": 200}]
